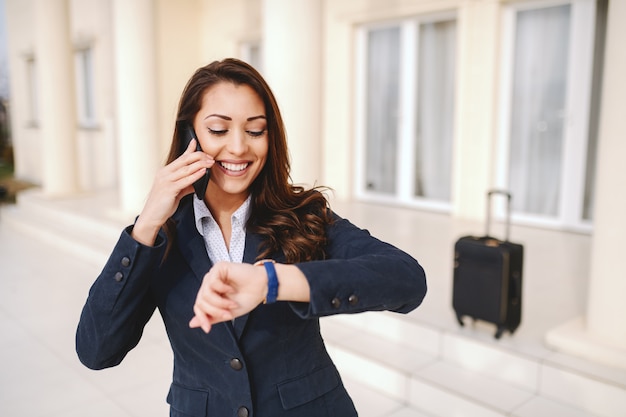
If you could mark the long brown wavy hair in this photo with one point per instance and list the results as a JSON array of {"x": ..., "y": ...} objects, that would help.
[{"x": 291, "y": 220}]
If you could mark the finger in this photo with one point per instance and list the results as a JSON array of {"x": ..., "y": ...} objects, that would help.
[
  {"x": 183, "y": 181},
  {"x": 190, "y": 151},
  {"x": 212, "y": 299},
  {"x": 191, "y": 146},
  {"x": 202, "y": 322},
  {"x": 179, "y": 177},
  {"x": 219, "y": 287},
  {"x": 217, "y": 308},
  {"x": 217, "y": 280},
  {"x": 205, "y": 318},
  {"x": 188, "y": 157},
  {"x": 186, "y": 165}
]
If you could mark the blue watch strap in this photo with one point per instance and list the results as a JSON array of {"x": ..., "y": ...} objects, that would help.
[{"x": 272, "y": 282}]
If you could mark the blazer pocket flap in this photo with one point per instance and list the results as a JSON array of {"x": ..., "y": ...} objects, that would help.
[
  {"x": 309, "y": 387},
  {"x": 188, "y": 401}
]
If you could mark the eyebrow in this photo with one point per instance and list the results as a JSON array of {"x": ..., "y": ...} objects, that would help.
[{"x": 249, "y": 119}]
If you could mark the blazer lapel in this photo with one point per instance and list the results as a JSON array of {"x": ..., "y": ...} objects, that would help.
[
  {"x": 191, "y": 243},
  {"x": 250, "y": 253},
  {"x": 192, "y": 247}
]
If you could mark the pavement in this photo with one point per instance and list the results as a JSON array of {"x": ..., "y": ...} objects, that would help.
[{"x": 42, "y": 290}]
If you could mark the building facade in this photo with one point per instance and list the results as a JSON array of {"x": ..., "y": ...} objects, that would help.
[{"x": 420, "y": 103}]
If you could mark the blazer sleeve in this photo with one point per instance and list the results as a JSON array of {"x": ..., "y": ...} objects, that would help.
[
  {"x": 119, "y": 303},
  {"x": 361, "y": 273}
]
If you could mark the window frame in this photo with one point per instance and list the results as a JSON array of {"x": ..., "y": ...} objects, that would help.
[
  {"x": 251, "y": 51},
  {"x": 85, "y": 87},
  {"x": 407, "y": 119},
  {"x": 32, "y": 85},
  {"x": 577, "y": 114}
]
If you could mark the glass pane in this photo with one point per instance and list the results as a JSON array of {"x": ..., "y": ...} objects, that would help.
[
  {"x": 83, "y": 65},
  {"x": 87, "y": 69},
  {"x": 382, "y": 89},
  {"x": 252, "y": 53},
  {"x": 538, "y": 109},
  {"x": 33, "y": 94},
  {"x": 435, "y": 110}
]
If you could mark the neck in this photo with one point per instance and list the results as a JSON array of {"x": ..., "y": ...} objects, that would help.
[{"x": 222, "y": 205}]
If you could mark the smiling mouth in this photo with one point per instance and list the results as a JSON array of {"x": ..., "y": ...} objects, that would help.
[{"x": 234, "y": 167}]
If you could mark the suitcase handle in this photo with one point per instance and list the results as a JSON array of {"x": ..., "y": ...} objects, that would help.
[{"x": 508, "y": 196}]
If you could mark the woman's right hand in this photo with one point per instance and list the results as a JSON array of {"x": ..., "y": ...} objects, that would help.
[{"x": 171, "y": 184}]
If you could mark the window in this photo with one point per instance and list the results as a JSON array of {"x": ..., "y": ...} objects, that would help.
[
  {"x": 435, "y": 110},
  {"x": 252, "y": 53},
  {"x": 549, "y": 131},
  {"x": 85, "y": 99},
  {"x": 405, "y": 115},
  {"x": 382, "y": 112},
  {"x": 33, "y": 94}
]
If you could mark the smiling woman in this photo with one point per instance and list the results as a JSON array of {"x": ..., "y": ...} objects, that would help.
[
  {"x": 242, "y": 274},
  {"x": 232, "y": 127}
]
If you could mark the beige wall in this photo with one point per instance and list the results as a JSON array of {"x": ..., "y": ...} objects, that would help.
[
  {"x": 178, "y": 52},
  {"x": 95, "y": 145},
  {"x": 191, "y": 33},
  {"x": 226, "y": 24},
  {"x": 21, "y": 44},
  {"x": 195, "y": 32}
]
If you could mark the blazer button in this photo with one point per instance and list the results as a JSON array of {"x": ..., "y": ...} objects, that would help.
[
  {"x": 125, "y": 261},
  {"x": 353, "y": 300},
  {"x": 118, "y": 276},
  {"x": 243, "y": 412},
  {"x": 236, "y": 364},
  {"x": 336, "y": 302}
]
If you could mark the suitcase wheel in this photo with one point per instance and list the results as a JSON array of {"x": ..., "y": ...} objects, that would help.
[{"x": 499, "y": 332}]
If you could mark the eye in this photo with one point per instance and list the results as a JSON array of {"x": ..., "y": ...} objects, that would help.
[
  {"x": 255, "y": 133},
  {"x": 217, "y": 132}
]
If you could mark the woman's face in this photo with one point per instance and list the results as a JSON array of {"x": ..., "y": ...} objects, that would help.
[{"x": 231, "y": 126}]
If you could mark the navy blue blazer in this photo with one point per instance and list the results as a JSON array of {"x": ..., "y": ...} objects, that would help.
[{"x": 269, "y": 363}]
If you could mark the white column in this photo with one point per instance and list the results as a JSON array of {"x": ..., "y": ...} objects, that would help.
[
  {"x": 608, "y": 275},
  {"x": 476, "y": 114},
  {"x": 55, "y": 74},
  {"x": 136, "y": 98},
  {"x": 292, "y": 66},
  {"x": 601, "y": 335}
]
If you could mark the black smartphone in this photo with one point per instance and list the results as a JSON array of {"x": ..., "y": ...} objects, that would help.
[{"x": 186, "y": 132}]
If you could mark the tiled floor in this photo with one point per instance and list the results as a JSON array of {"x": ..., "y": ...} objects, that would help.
[
  {"x": 41, "y": 295},
  {"x": 42, "y": 290}
]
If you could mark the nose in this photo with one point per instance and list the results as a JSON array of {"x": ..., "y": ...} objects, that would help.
[{"x": 237, "y": 144}]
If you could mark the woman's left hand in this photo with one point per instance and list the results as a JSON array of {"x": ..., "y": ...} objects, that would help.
[{"x": 228, "y": 290}]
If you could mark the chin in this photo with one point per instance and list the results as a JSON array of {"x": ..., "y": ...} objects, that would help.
[{"x": 237, "y": 189}]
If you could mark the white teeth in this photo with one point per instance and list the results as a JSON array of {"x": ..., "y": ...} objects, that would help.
[{"x": 234, "y": 167}]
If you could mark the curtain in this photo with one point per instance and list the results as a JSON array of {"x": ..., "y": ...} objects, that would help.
[
  {"x": 538, "y": 109},
  {"x": 435, "y": 110},
  {"x": 383, "y": 77}
]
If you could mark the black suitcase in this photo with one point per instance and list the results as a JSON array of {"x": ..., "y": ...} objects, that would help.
[{"x": 488, "y": 276}]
